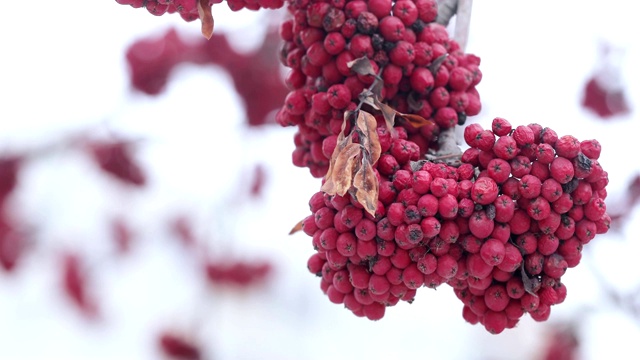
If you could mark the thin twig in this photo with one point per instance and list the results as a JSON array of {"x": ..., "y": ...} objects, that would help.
[
  {"x": 446, "y": 10},
  {"x": 463, "y": 19}
]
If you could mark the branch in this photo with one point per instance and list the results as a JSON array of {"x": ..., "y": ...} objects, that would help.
[
  {"x": 446, "y": 10},
  {"x": 463, "y": 19},
  {"x": 448, "y": 150}
]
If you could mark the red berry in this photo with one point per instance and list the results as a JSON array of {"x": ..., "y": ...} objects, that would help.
[
  {"x": 500, "y": 126},
  {"x": 492, "y": 252}
]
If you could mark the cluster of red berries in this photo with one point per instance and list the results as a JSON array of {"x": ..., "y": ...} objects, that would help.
[
  {"x": 501, "y": 229},
  {"x": 177, "y": 346},
  {"x": 115, "y": 158},
  {"x": 238, "y": 273},
  {"x": 75, "y": 285},
  {"x": 151, "y": 61},
  {"x": 11, "y": 240},
  {"x": 188, "y": 9},
  {"x": 422, "y": 70}
]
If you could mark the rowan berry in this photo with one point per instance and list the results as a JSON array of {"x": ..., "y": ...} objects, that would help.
[
  {"x": 562, "y": 170},
  {"x": 554, "y": 265},
  {"x": 492, "y": 252},
  {"x": 447, "y": 267},
  {"x": 477, "y": 267},
  {"x": 380, "y": 8},
  {"x": 448, "y": 206},
  {"x": 539, "y": 208},
  {"x": 336, "y": 260},
  {"x": 315, "y": 263},
  {"x": 480, "y": 225},
  {"x": 585, "y": 230},
  {"x": 338, "y": 96},
  {"x": 567, "y": 146},
  {"x": 500, "y": 126},
  {"x": 341, "y": 281},
  {"x": 505, "y": 148},
  {"x": 563, "y": 204},
  {"x": 446, "y": 117},
  {"x": 495, "y": 322},
  {"x": 412, "y": 278},
  {"x": 520, "y": 222},
  {"x": 590, "y": 148},
  {"x": 374, "y": 311}
]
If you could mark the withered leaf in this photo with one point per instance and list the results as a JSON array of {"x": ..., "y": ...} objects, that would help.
[
  {"x": 367, "y": 124},
  {"x": 297, "y": 227},
  {"x": 361, "y": 66},
  {"x": 529, "y": 283},
  {"x": 389, "y": 117},
  {"x": 377, "y": 87},
  {"x": 367, "y": 187},
  {"x": 206, "y": 18},
  {"x": 435, "y": 64},
  {"x": 341, "y": 143},
  {"x": 342, "y": 172},
  {"x": 416, "y": 121}
]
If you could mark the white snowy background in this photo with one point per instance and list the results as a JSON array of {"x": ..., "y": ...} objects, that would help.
[{"x": 62, "y": 70}]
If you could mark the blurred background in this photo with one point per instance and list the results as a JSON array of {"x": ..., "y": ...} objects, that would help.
[{"x": 180, "y": 244}]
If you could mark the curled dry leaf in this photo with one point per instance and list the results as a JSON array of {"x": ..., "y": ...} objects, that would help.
[
  {"x": 389, "y": 115},
  {"x": 342, "y": 174},
  {"x": 204, "y": 11},
  {"x": 361, "y": 66},
  {"x": 415, "y": 120},
  {"x": 435, "y": 64},
  {"x": 297, "y": 227},
  {"x": 366, "y": 185},
  {"x": 367, "y": 125},
  {"x": 342, "y": 142}
]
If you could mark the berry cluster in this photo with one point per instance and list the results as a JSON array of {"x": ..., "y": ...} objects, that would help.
[
  {"x": 75, "y": 285},
  {"x": 501, "y": 229},
  {"x": 423, "y": 71},
  {"x": 115, "y": 159},
  {"x": 188, "y": 9},
  {"x": 238, "y": 273},
  {"x": 177, "y": 346},
  {"x": 151, "y": 61},
  {"x": 12, "y": 241}
]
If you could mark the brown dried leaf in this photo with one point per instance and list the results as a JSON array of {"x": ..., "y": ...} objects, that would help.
[
  {"x": 341, "y": 143},
  {"x": 416, "y": 121},
  {"x": 361, "y": 66},
  {"x": 389, "y": 117},
  {"x": 367, "y": 187},
  {"x": 367, "y": 124},
  {"x": 297, "y": 227},
  {"x": 204, "y": 11},
  {"x": 342, "y": 174}
]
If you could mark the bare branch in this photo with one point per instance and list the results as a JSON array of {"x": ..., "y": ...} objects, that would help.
[
  {"x": 446, "y": 10},
  {"x": 448, "y": 150},
  {"x": 463, "y": 19}
]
